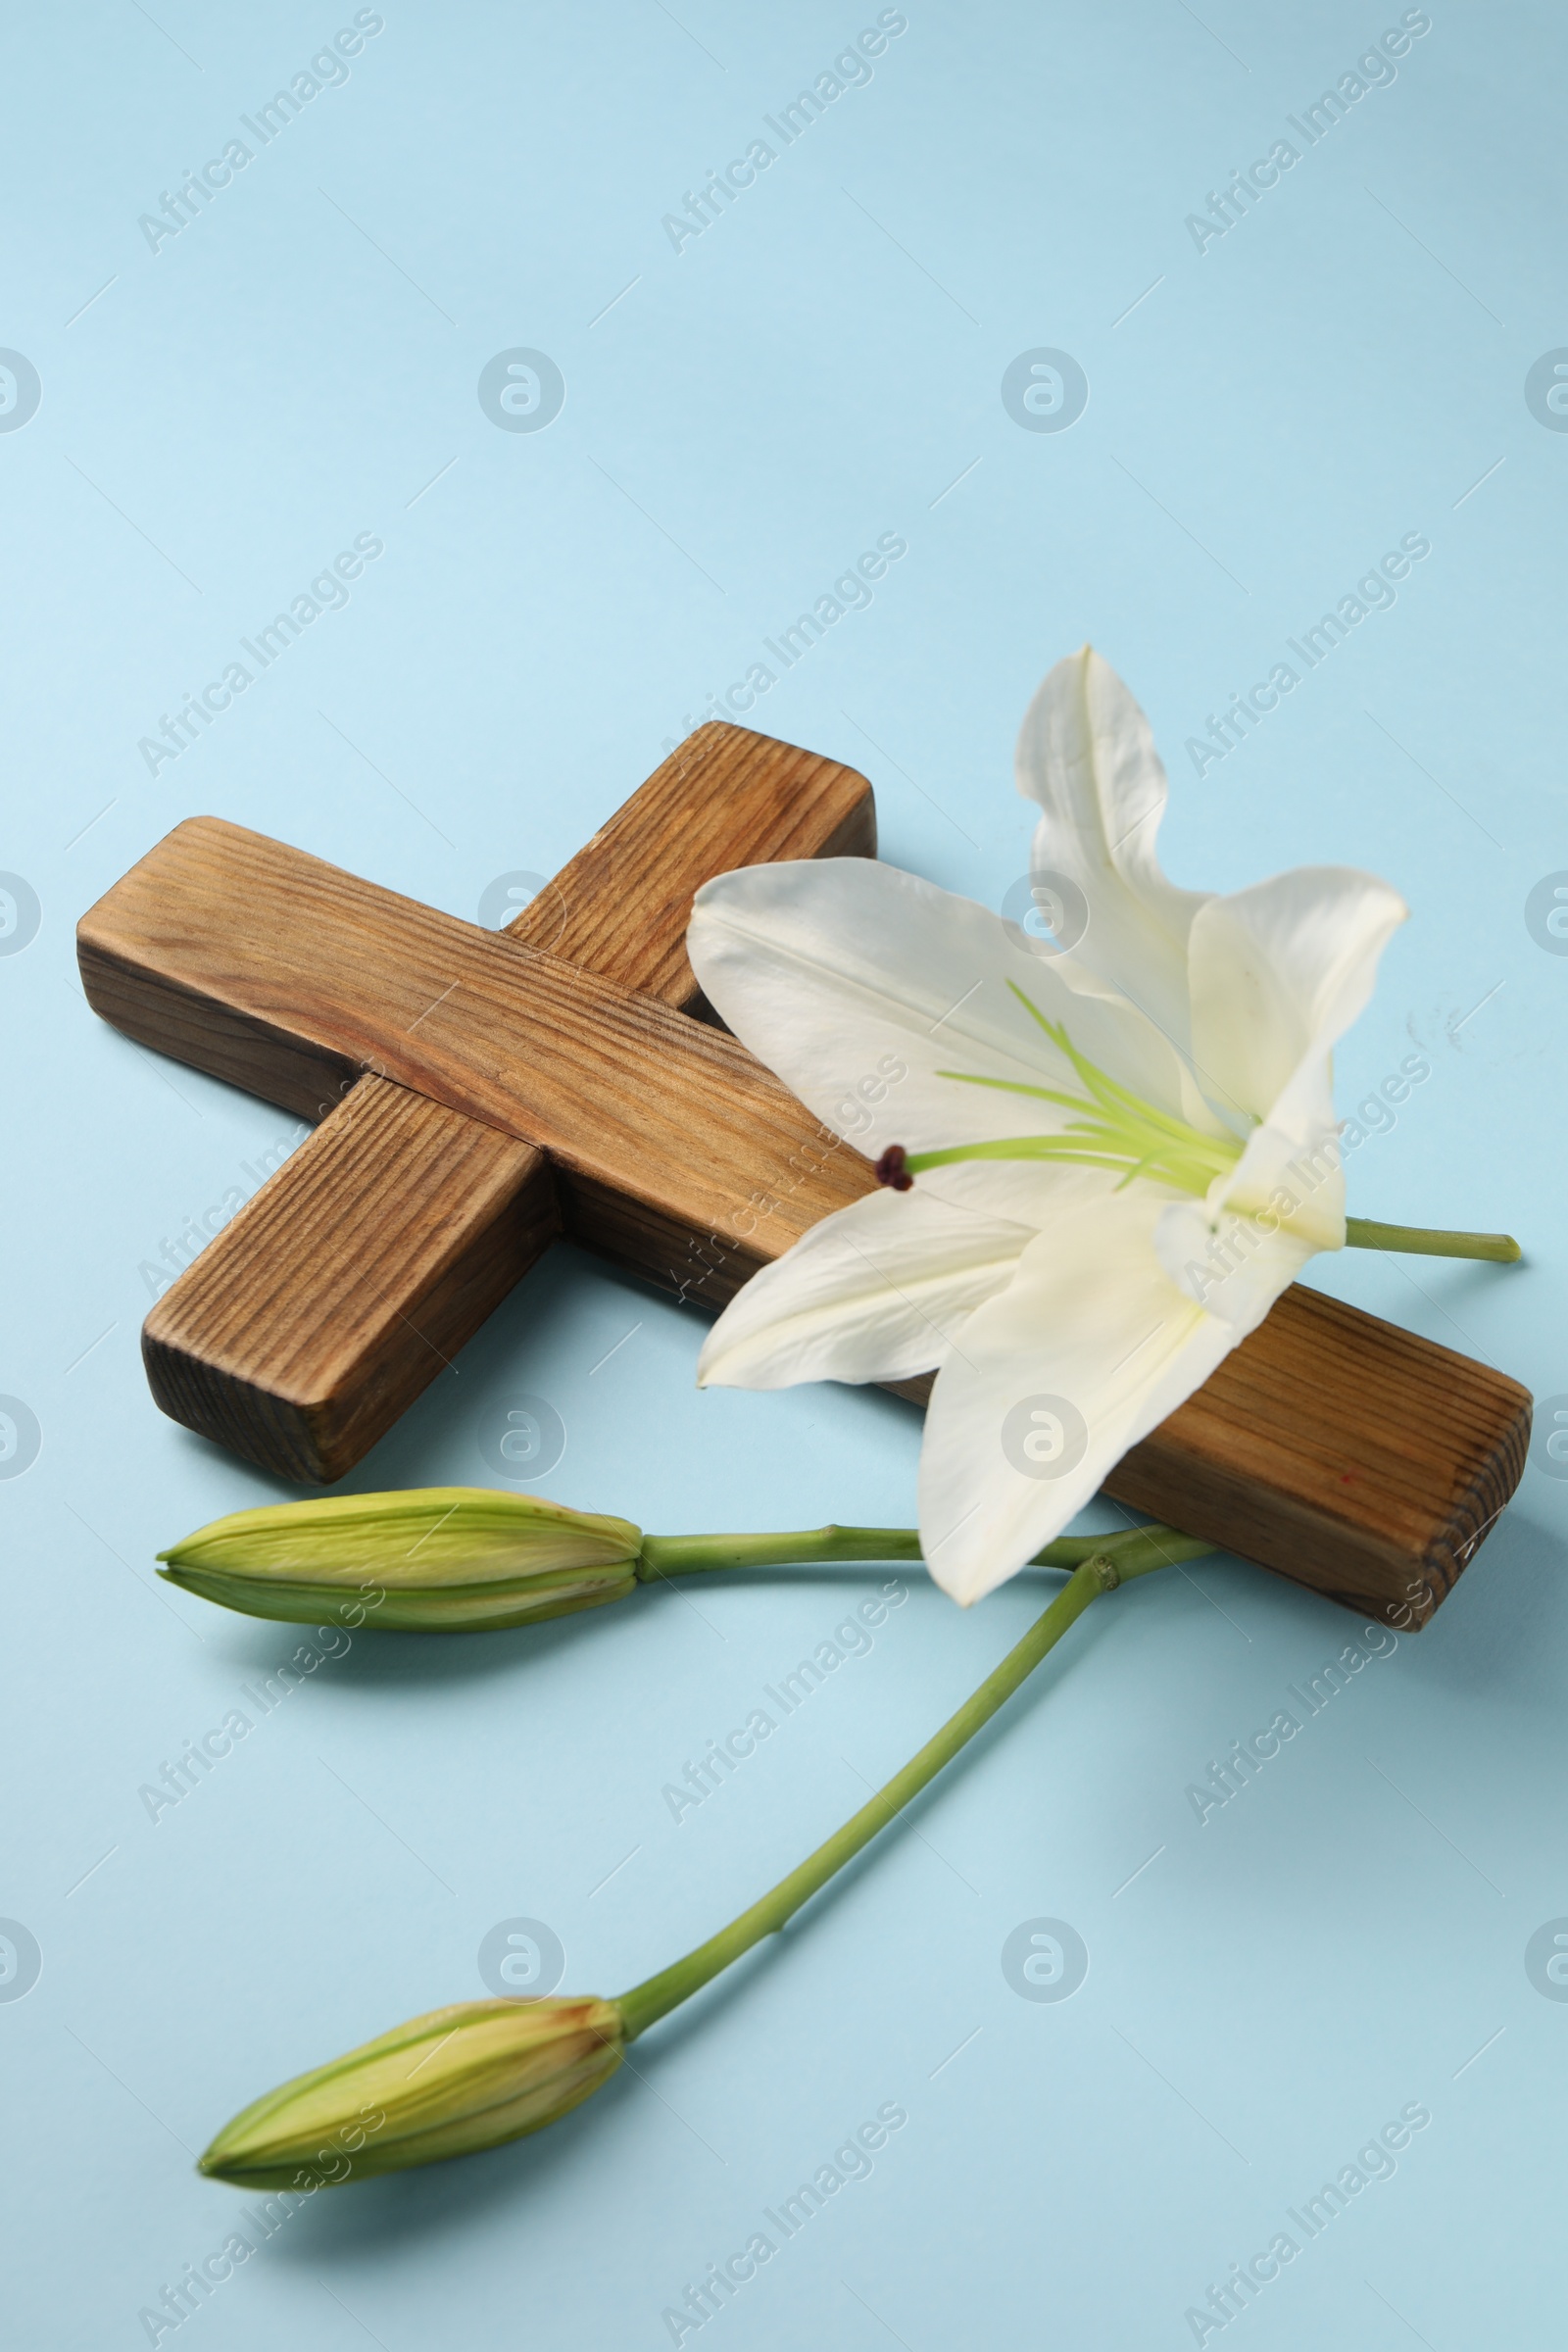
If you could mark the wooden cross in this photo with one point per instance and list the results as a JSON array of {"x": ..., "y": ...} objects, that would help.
[{"x": 480, "y": 1093}]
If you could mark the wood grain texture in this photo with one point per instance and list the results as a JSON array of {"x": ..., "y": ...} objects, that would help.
[
  {"x": 347, "y": 1285},
  {"x": 223, "y": 946},
  {"x": 350, "y": 1280},
  {"x": 1349, "y": 1455},
  {"x": 724, "y": 797},
  {"x": 1345, "y": 1454}
]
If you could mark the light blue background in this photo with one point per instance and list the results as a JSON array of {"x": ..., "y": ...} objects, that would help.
[{"x": 1265, "y": 418}]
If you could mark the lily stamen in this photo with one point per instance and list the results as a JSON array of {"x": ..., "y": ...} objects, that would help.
[{"x": 1121, "y": 1131}]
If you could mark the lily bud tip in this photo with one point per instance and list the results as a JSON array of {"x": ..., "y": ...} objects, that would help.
[
  {"x": 449, "y": 2084},
  {"x": 431, "y": 1559}
]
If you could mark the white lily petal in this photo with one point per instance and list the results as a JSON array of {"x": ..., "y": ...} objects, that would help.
[
  {"x": 1085, "y": 753},
  {"x": 1278, "y": 971},
  {"x": 1278, "y": 1179},
  {"x": 1021, "y": 1192},
  {"x": 875, "y": 1292},
  {"x": 1089, "y": 1347},
  {"x": 860, "y": 984},
  {"x": 1236, "y": 1265}
]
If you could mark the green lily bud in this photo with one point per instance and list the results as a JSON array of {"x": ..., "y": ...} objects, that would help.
[
  {"x": 434, "y": 1559},
  {"x": 446, "y": 2083}
]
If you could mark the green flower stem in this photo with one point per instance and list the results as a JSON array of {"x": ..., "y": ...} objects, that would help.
[
  {"x": 1428, "y": 1241},
  {"x": 692, "y": 1555},
  {"x": 1133, "y": 1552},
  {"x": 653, "y": 2000}
]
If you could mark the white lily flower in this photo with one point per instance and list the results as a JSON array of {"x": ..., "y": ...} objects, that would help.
[{"x": 1123, "y": 1139}]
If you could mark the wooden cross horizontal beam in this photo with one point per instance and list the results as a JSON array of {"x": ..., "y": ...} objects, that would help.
[{"x": 517, "y": 1090}]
